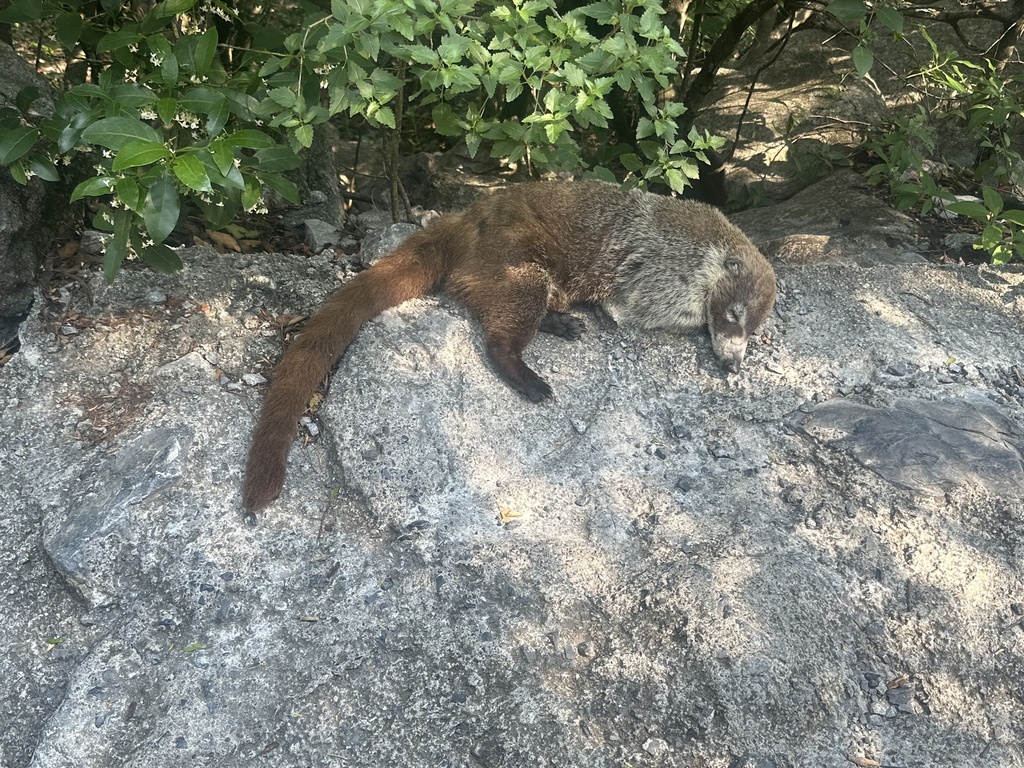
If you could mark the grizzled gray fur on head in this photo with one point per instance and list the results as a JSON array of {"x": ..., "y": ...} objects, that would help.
[{"x": 686, "y": 266}]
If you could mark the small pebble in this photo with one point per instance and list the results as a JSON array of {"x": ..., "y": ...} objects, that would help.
[
  {"x": 254, "y": 379},
  {"x": 874, "y": 629},
  {"x": 655, "y": 747},
  {"x": 685, "y": 484},
  {"x": 680, "y": 432},
  {"x": 897, "y": 369}
]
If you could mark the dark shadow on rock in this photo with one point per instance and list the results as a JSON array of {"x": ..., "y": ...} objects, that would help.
[{"x": 925, "y": 445}]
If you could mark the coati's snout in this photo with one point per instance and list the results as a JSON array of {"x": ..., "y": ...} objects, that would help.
[
  {"x": 738, "y": 303},
  {"x": 729, "y": 337},
  {"x": 729, "y": 350}
]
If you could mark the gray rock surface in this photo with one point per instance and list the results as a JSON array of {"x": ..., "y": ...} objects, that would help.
[
  {"x": 25, "y": 211},
  {"x": 660, "y": 567},
  {"x": 320, "y": 234},
  {"x": 840, "y": 218}
]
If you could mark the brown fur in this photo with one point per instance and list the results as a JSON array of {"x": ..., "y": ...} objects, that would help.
[{"x": 518, "y": 260}]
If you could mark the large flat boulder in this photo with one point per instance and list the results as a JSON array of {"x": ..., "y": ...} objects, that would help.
[{"x": 661, "y": 566}]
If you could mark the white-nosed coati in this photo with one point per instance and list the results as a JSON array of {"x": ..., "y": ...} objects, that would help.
[{"x": 518, "y": 259}]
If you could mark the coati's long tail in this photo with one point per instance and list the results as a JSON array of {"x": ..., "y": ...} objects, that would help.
[{"x": 412, "y": 270}]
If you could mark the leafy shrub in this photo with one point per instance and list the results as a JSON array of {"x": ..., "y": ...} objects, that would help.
[
  {"x": 167, "y": 119},
  {"x": 162, "y": 121},
  {"x": 972, "y": 100}
]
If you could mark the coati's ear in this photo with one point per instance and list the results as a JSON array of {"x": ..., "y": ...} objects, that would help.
[{"x": 732, "y": 264}]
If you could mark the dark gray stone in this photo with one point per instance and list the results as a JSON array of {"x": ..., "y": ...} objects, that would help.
[
  {"x": 99, "y": 527},
  {"x": 28, "y": 214},
  {"x": 383, "y": 241},
  {"x": 320, "y": 234},
  {"x": 926, "y": 445}
]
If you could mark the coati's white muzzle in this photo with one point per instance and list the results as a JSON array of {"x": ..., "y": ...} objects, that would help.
[{"x": 729, "y": 350}]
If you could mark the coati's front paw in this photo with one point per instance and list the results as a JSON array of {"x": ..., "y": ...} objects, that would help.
[
  {"x": 562, "y": 324},
  {"x": 535, "y": 388}
]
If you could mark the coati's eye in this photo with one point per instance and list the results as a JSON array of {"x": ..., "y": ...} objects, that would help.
[{"x": 731, "y": 316}]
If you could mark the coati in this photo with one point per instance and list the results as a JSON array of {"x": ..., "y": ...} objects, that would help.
[{"x": 518, "y": 259}]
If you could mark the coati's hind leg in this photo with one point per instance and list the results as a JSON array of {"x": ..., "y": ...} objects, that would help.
[
  {"x": 561, "y": 324},
  {"x": 510, "y": 307}
]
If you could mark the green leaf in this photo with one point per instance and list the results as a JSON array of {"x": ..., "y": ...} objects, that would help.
[
  {"x": 993, "y": 201},
  {"x": 206, "y": 49},
  {"x": 283, "y": 187},
  {"x": 69, "y": 28},
  {"x": 252, "y": 193},
  {"x": 848, "y": 10},
  {"x": 195, "y": 52},
  {"x": 890, "y": 18},
  {"x": 223, "y": 155},
  {"x": 250, "y": 138},
  {"x": 94, "y": 187},
  {"x": 277, "y": 159},
  {"x": 26, "y": 98},
  {"x": 385, "y": 116},
  {"x": 115, "y": 132},
  {"x": 285, "y": 97},
  {"x": 131, "y": 95},
  {"x": 15, "y": 143},
  {"x": 160, "y": 257},
  {"x": 676, "y": 179},
  {"x": 117, "y": 39},
  {"x": 1014, "y": 217},
  {"x": 970, "y": 208},
  {"x": 190, "y": 171},
  {"x": 166, "y": 109},
  {"x": 17, "y": 169},
  {"x": 218, "y": 118},
  {"x": 991, "y": 236},
  {"x": 43, "y": 168},
  {"x": 139, "y": 152},
  {"x": 161, "y": 209},
  {"x": 304, "y": 135},
  {"x": 117, "y": 246},
  {"x": 169, "y": 70},
  {"x": 170, "y": 8},
  {"x": 129, "y": 192},
  {"x": 863, "y": 59},
  {"x": 21, "y": 10},
  {"x": 202, "y": 101},
  {"x": 242, "y": 105},
  {"x": 219, "y": 212}
]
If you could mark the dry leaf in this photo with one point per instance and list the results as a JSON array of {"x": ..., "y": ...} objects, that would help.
[
  {"x": 508, "y": 515},
  {"x": 224, "y": 240}
]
